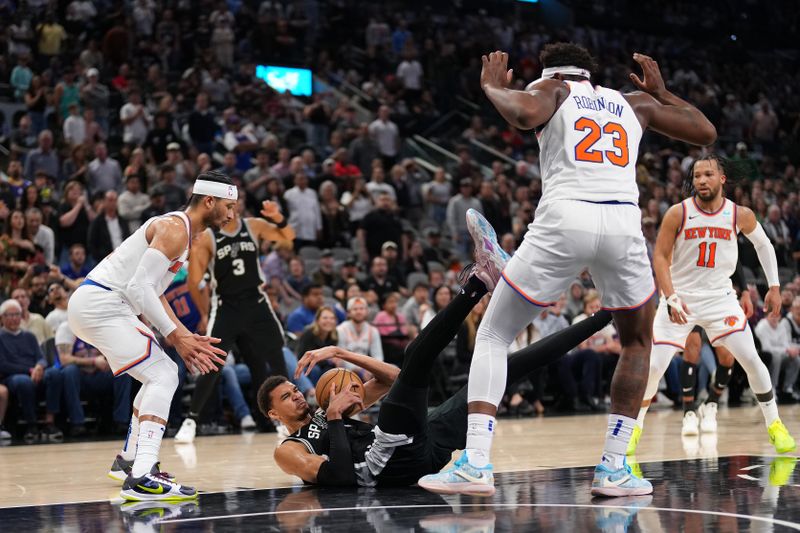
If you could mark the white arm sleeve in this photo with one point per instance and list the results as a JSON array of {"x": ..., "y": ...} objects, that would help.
[
  {"x": 141, "y": 290},
  {"x": 766, "y": 254}
]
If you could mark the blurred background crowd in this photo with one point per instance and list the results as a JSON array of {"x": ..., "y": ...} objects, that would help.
[{"x": 108, "y": 111}]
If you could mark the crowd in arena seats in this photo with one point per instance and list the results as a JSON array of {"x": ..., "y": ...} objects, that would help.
[{"x": 110, "y": 110}]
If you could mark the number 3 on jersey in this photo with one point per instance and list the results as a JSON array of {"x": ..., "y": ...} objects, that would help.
[
  {"x": 712, "y": 253},
  {"x": 584, "y": 151},
  {"x": 238, "y": 267}
]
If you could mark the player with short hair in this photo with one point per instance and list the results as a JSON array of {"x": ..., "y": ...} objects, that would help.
[
  {"x": 588, "y": 216},
  {"x": 327, "y": 448},
  {"x": 240, "y": 312},
  {"x": 104, "y": 312},
  {"x": 695, "y": 254}
]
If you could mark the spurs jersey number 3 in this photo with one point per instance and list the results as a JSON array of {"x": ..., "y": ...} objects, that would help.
[
  {"x": 588, "y": 148},
  {"x": 706, "y": 251}
]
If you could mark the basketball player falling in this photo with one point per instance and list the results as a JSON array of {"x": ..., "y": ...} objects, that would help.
[
  {"x": 588, "y": 217},
  {"x": 240, "y": 312},
  {"x": 695, "y": 254},
  {"x": 103, "y": 311},
  {"x": 328, "y": 448}
]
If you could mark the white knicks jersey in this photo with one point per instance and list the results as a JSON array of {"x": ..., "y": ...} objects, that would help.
[
  {"x": 588, "y": 148},
  {"x": 118, "y": 267},
  {"x": 706, "y": 252}
]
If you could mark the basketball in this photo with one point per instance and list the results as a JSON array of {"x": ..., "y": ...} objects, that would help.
[{"x": 342, "y": 379}]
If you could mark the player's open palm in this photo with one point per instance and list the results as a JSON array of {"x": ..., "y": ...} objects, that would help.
[
  {"x": 342, "y": 402},
  {"x": 495, "y": 71},
  {"x": 651, "y": 81},
  {"x": 199, "y": 352},
  {"x": 312, "y": 358},
  {"x": 270, "y": 209}
]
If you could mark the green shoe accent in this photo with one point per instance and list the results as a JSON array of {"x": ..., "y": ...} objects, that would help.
[
  {"x": 780, "y": 438},
  {"x": 634, "y": 442},
  {"x": 780, "y": 470}
]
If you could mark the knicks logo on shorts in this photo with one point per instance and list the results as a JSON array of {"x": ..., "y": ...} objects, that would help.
[
  {"x": 176, "y": 266},
  {"x": 731, "y": 321}
]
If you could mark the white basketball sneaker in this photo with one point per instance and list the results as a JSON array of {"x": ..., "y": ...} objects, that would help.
[
  {"x": 691, "y": 424},
  {"x": 708, "y": 417},
  {"x": 490, "y": 259},
  {"x": 187, "y": 432}
]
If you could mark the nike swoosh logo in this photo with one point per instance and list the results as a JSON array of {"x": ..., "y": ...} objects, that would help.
[
  {"x": 608, "y": 483},
  {"x": 159, "y": 490},
  {"x": 220, "y": 239},
  {"x": 481, "y": 479},
  {"x": 693, "y": 217}
]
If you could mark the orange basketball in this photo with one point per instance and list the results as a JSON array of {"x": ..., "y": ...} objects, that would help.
[{"x": 342, "y": 379}]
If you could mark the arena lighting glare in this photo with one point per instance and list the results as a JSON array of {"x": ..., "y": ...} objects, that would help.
[{"x": 297, "y": 81}]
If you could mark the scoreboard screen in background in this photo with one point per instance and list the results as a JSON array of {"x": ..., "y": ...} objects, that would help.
[{"x": 297, "y": 81}]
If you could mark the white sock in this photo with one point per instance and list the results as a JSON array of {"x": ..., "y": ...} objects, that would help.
[
  {"x": 480, "y": 430},
  {"x": 149, "y": 443},
  {"x": 619, "y": 433},
  {"x": 770, "y": 410},
  {"x": 640, "y": 418},
  {"x": 129, "y": 448}
]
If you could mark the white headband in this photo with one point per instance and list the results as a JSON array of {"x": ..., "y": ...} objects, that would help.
[
  {"x": 565, "y": 70},
  {"x": 216, "y": 189}
]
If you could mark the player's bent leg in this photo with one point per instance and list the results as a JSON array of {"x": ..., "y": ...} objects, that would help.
[
  {"x": 145, "y": 482},
  {"x": 742, "y": 346},
  {"x": 613, "y": 476},
  {"x": 719, "y": 382}
]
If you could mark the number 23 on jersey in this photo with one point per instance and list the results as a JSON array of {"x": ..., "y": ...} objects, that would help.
[{"x": 585, "y": 152}]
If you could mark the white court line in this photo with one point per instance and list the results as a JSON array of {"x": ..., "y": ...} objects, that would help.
[{"x": 775, "y": 521}]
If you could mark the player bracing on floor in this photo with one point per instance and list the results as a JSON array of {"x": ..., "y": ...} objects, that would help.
[{"x": 695, "y": 254}]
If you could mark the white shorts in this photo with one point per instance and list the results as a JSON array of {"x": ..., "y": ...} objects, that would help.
[
  {"x": 103, "y": 319},
  {"x": 719, "y": 315},
  {"x": 568, "y": 236}
]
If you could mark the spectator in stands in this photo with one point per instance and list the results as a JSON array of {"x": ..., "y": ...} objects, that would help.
[
  {"x": 159, "y": 137},
  {"x": 778, "y": 233},
  {"x": 379, "y": 226},
  {"x": 39, "y": 234},
  {"x": 297, "y": 280},
  {"x": 83, "y": 369},
  {"x": 23, "y": 140},
  {"x": 21, "y": 76},
  {"x": 392, "y": 327},
  {"x": 508, "y": 243},
  {"x": 357, "y": 202},
  {"x": 282, "y": 168},
  {"x": 574, "y": 304},
  {"x": 256, "y": 178},
  {"x": 104, "y": 172},
  {"x": 76, "y": 267},
  {"x": 413, "y": 307},
  {"x": 18, "y": 249},
  {"x": 107, "y": 230},
  {"x": 174, "y": 194},
  {"x": 74, "y": 215},
  {"x": 335, "y": 221},
  {"x": 321, "y": 332},
  {"x": 410, "y": 73},
  {"x": 325, "y": 274},
  {"x": 377, "y": 184},
  {"x": 22, "y": 366},
  {"x": 36, "y": 102},
  {"x": 304, "y": 212},
  {"x": 386, "y": 135},
  {"x": 51, "y": 35},
  {"x": 363, "y": 150},
  {"x": 76, "y": 167},
  {"x": 415, "y": 262},
  {"x": 240, "y": 141},
  {"x": 433, "y": 251},
  {"x": 44, "y": 157},
  {"x": 304, "y": 315},
  {"x": 394, "y": 268},
  {"x": 58, "y": 298},
  {"x": 132, "y": 203},
  {"x": 135, "y": 119},
  {"x": 457, "y": 209},
  {"x": 157, "y": 204},
  {"x": 202, "y": 126},
  {"x": 775, "y": 336},
  {"x": 35, "y": 281},
  {"x": 357, "y": 335},
  {"x": 15, "y": 182},
  {"x": 95, "y": 96},
  {"x": 31, "y": 322},
  {"x": 379, "y": 283},
  {"x": 74, "y": 128},
  {"x": 764, "y": 127}
]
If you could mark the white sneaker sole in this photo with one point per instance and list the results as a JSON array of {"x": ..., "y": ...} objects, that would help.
[
  {"x": 615, "y": 492},
  {"x": 470, "y": 489},
  {"x": 137, "y": 497}
]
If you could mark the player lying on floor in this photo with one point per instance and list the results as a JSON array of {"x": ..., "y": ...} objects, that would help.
[{"x": 327, "y": 448}]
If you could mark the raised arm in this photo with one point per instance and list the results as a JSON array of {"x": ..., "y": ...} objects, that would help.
[
  {"x": 274, "y": 226},
  {"x": 662, "y": 259},
  {"x": 522, "y": 109},
  {"x": 747, "y": 223},
  {"x": 659, "y": 109}
]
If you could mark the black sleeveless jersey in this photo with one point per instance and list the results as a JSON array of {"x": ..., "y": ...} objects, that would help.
[
  {"x": 235, "y": 266},
  {"x": 314, "y": 436}
]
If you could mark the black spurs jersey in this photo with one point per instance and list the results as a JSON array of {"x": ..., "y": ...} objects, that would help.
[
  {"x": 235, "y": 267},
  {"x": 314, "y": 436}
]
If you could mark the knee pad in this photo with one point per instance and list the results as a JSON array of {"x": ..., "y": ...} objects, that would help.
[{"x": 160, "y": 380}]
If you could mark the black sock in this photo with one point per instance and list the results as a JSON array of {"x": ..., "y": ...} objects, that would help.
[
  {"x": 423, "y": 350},
  {"x": 688, "y": 382},
  {"x": 722, "y": 377}
]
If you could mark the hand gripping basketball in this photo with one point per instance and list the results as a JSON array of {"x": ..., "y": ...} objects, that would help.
[
  {"x": 345, "y": 402},
  {"x": 678, "y": 311}
]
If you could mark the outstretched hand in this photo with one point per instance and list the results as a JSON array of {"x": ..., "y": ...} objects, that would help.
[
  {"x": 270, "y": 209},
  {"x": 199, "y": 352},
  {"x": 495, "y": 71},
  {"x": 312, "y": 358},
  {"x": 652, "y": 83}
]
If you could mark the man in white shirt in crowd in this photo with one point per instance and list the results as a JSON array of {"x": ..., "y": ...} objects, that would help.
[
  {"x": 775, "y": 336},
  {"x": 42, "y": 235},
  {"x": 551, "y": 320},
  {"x": 377, "y": 185},
  {"x": 410, "y": 73},
  {"x": 74, "y": 127},
  {"x": 386, "y": 135},
  {"x": 304, "y": 212},
  {"x": 132, "y": 203},
  {"x": 104, "y": 172},
  {"x": 135, "y": 119},
  {"x": 359, "y": 336},
  {"x": 411, "y": 309},
  {"x": 33, "y": 322},
  {"x": 58, "y": 298}
]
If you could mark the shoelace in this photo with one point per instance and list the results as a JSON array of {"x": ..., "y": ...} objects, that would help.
[{"x": 163, "y": 477}]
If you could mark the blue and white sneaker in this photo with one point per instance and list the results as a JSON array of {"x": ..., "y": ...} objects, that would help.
[
  {"x": 462, "y": 478},
  {"x": 620, "y": 482},
  {"x": 490, "y": 259}
]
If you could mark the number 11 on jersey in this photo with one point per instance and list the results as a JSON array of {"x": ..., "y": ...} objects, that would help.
[{"x": 712, "y": 252}]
